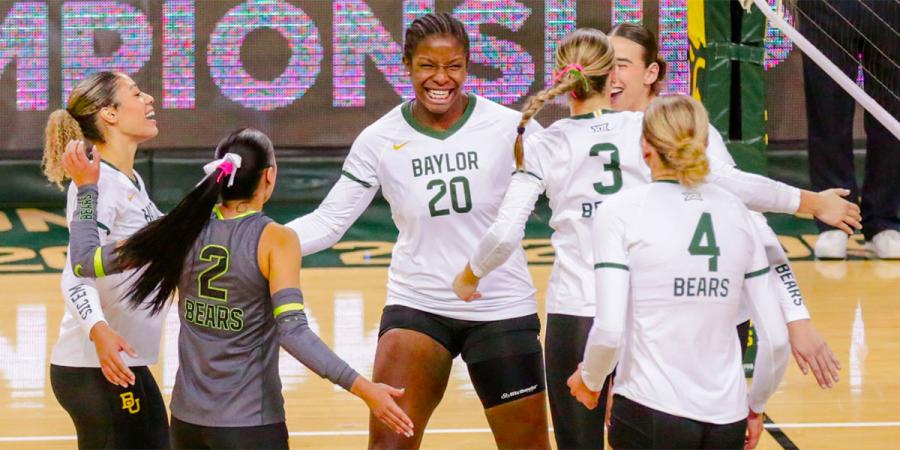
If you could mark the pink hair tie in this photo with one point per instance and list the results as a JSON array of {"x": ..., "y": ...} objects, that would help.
[
  {"x": 226, "y": 165},
  {"x": 226, "y": 168},
  {"x": 566, "y": 70}
]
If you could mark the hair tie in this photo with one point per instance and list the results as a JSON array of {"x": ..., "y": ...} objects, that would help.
[
  {"x": 567, "y": 69},
  {"x": 226, "y": 165},
  {"x": 520, "y": 130}
]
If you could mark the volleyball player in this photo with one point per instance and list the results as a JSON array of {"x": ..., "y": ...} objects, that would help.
[
  {"x": 579, "y": 162},
  {"x": 638, "y": 78},
  {"x": 443, "y": 163},
  {"x": 673, "y": 260},
  {"x": 98, "y": 367},
  {"x": 237, "y": 275}
]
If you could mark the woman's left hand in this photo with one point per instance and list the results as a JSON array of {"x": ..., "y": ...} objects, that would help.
[
  {"x": 81, "y": 169},
  {"x": 811, "y": 351},
  {"x": 465, "y": 285},
  {"x": 580, "y": 391}
]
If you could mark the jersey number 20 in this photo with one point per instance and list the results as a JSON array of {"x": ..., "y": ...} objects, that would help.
[
  {"x": 705, "y": 230},
  {"x": 455, "y": 185}
]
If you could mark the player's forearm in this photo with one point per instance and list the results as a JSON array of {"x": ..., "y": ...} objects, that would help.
[
  {"x": 81, "y": 299},
  {"x": 782, "y": 281},
  {"x": 506, "y": 233},
  {"x": 88, "y": 258},
  {"x": 774, "y": 346},
  {"x": 324, "y": 227},
  {"x": 759, "y": 193},
  {"x": 295, "y": 336},
  {"x": 600, "y": 356}
]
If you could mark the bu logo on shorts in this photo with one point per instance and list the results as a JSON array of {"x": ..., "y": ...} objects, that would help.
[{"x": 133, "y": 405}]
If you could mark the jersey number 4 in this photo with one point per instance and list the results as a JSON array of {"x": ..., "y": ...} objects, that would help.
[
  {"x": 705, "y": 231},
  {"x": 218, "y": 255},
  {"x": 460, "y": 197},
  {"x": 613, "y": 167}
]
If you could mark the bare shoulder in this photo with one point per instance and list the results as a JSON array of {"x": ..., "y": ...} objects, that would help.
[{"x": 277, "y": 235}]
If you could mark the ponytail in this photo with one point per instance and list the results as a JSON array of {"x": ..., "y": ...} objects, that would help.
[
  {"x": 162, "y": 246},
  {"x": 569, "y": 83},
  {"x": 677, "y": 127},
  {"x": 61, "y": 129},
  {"x": 584, "y": 59},
  {"x": 78, "y": 121}
]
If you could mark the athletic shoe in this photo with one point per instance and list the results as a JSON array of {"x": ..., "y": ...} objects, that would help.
[
  {"x": 885, "y": 244},
  {"x": 832, "y": 244}
]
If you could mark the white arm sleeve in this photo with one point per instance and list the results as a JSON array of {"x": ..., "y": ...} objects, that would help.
[
  {"x": 81, "y": 298},
  {"x": 611, "y": 278},
  {"x": 757, "y": 192},
  {"x": 782, "y": 281},
  {"x": 508, "y": 229},
  {"x": 347, "y": 199},
  {"x": 765, "y": 311},
  {"x": 323, "y": 228}
]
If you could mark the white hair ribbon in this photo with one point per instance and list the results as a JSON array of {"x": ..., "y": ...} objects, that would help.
[{"x": 229, "y": 164}]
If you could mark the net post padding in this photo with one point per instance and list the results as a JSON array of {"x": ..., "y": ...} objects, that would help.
[{"x": 727, "y": 76}]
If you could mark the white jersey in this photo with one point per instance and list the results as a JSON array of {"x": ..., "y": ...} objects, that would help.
[
  {"x": 444, "y": 189},
  {"x": 123, "y": 208},
  {"x": 580, "y": 162},
  {"x": 672, "y": 265}
]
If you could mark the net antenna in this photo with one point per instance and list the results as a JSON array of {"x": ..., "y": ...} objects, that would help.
[{"x": 776, "y": 17}]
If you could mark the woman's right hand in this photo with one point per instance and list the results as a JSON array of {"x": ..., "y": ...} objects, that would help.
[
  {"x": 81, "y": 170},
  {"x": 108, "y": 344},
  {"x": 830, "y": 207},
  {"x": 379, "y": 397}
]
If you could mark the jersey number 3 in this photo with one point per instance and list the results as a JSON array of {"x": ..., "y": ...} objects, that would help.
[
  {"x": 218, "y": 255},
  {"x": 705, "y": 230},
  {"x": 613, "y": 167}
]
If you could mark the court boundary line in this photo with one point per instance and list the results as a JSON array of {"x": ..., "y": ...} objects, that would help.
[
  {"x": 778, "y": 434},
  {"x": 4, "y": 439}
]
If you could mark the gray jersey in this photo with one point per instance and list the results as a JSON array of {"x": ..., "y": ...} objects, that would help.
[
  {"x": 230, "y": 325},
  {"x": 228, "y": 344}
]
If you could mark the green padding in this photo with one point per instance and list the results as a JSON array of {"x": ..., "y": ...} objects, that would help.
[
  {"x": 729, "y": 81},
  {"x": 747, "y": 156},
  {"x": 736, "y": 52}
]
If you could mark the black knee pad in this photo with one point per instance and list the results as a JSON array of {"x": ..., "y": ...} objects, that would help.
[{"x": 504, "y": 379}]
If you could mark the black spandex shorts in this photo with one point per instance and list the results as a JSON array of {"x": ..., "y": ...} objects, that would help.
[
  {"x": 189, "y": 436},
  {"x": 635, "y": 426},
  {"x": 504, "y": 357},
  {"x": 110, "y": 416}
]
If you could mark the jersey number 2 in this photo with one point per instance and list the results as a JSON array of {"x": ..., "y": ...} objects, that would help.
[
  {"x": 218, "y": 255},
  {"x": 613, "y": 167},
  {"x": 456, "y": 184},
  {"x": 705, "y": 229}
]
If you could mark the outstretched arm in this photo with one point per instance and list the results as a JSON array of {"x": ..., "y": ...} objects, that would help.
[
  {"x": 280, "y": 261},
  {"x": 766, "y": 195},
  {"x": 325, "y": 226}
]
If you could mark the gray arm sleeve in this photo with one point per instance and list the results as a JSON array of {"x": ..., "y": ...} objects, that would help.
[
  {"x": 295, "y": 336},
  {"x": 88, "y": 258}
]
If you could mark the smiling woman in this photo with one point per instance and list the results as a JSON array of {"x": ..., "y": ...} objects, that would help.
[
  {"x": 442, "y": 163},
  {"x": 89, "y": 377}
]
